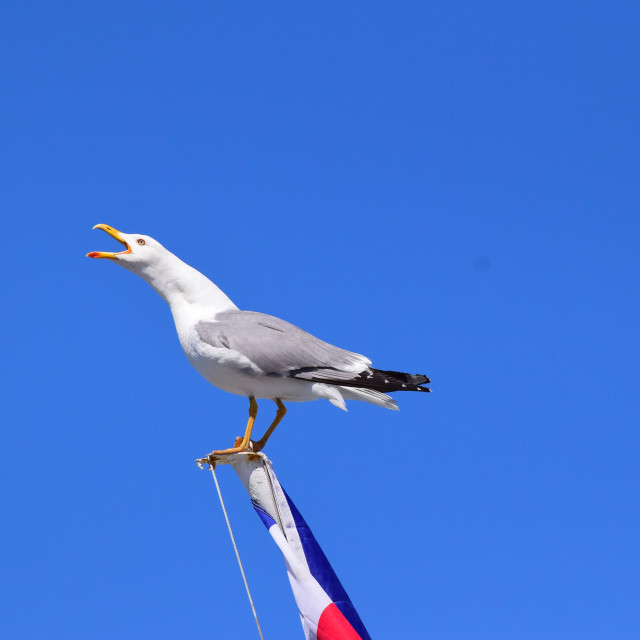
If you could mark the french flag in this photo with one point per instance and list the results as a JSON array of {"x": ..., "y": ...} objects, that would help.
[{"x": 325, "y": 609}]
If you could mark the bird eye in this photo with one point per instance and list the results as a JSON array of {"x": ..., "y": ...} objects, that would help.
[{"x": 140, "y": 241}]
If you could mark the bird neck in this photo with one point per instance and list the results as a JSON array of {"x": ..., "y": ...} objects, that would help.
[{"x": 184, "y": 288}]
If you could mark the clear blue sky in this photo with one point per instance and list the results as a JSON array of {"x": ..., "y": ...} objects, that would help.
[{"x": 449, "y": 188}]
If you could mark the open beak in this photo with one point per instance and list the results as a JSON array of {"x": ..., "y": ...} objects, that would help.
[{"x": 114, "y": 234}]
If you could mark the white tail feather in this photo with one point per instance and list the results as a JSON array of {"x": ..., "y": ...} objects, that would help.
[{"x": 369, "y": 395}]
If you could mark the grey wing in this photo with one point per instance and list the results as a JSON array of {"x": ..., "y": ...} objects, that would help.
[{"x": 280, "y": 348}]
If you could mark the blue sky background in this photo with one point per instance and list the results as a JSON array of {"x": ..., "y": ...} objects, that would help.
[{"x": 449, "y": 188}]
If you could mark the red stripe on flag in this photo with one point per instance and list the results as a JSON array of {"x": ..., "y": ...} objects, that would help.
[{"x": 334, "y": 626}]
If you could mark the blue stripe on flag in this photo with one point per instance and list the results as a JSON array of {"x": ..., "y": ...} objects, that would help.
[
  {"x": 264, "y": 516},
  {"x": 324, "y": 573}
]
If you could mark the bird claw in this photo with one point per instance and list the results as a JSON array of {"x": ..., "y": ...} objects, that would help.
[
  {"x": 211, "y": 460},
  {"x": 222, "y": 455}
]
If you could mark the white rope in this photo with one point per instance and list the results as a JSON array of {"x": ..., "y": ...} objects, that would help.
[
  {"x": 273, "y": 497},
  {"x": 233, "y": 540}
]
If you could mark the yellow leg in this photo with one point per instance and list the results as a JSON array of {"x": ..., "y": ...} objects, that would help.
[
  {"x": 259, "y": 444},
  {"x": 242, "y": 444}
]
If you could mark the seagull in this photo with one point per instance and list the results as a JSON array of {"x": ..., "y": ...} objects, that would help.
[{"x": 249, "y": 353}]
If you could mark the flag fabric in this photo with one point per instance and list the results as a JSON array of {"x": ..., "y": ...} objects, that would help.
[{"x": 325, "y": 609}]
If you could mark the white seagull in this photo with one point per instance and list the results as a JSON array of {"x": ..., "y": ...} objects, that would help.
[{"x": 253, "y": 354}]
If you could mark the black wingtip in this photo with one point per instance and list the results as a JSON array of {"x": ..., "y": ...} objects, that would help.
[{"x": 402, "y": 381}]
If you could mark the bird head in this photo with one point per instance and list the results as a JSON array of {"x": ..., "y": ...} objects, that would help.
[
  {"x": 140, "y": 251},
  {"x": 174, "y": 280}
]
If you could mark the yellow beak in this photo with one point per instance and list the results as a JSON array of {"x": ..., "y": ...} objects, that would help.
[{"x": 114, "y": 233}]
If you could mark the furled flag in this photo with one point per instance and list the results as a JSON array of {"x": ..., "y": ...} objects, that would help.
[{"x": 325, "y": 609}]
